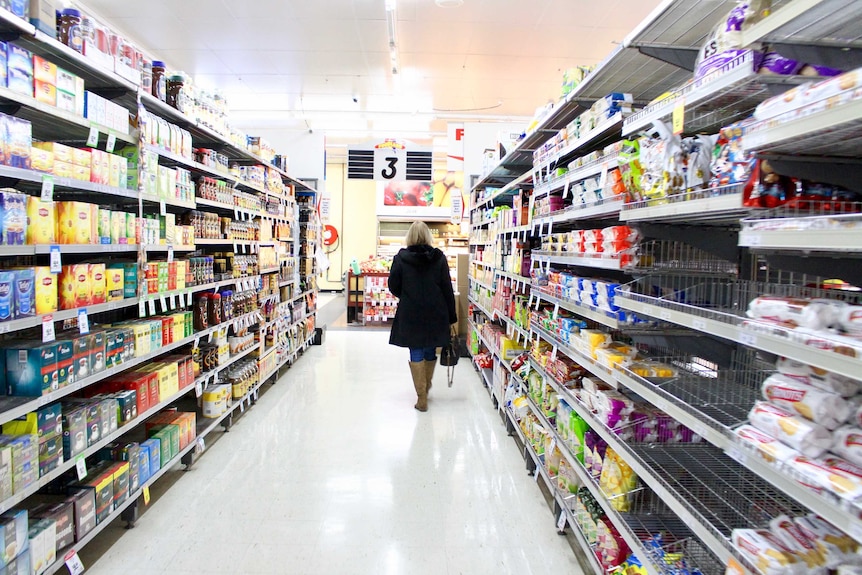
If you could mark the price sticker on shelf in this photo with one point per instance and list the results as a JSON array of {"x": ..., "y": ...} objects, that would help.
[
  {"x": 679, "y": 117},
  {"x": 81, "y": 468},
  {"x": 536, "y": 473},
  {"x": 554, "y": 354},
  {"x": 173, "y": 301},
  {"x": 163, "y": 209},
  {"x": 93, "y": 137},
  {"x": 734, "y": 568},
  {"x": 111, "y": 143},
  {"x": 47, "y": 188},
  {"x": 170, "y": 254},
  {"x": 200, "y": 446},
  {"x": 56, "y": 260},
  {"x": 747, "y": 339},
  {"x": 561, "y": 521},
  {"x": 189, "y": 298},
  {"x": 242, "y": 406},
  {"x": 664, "y": 315},
  {"x": 556, "y": 310},
  {"x": 164, "y": 302},
  {"x": 48, "y": 329},
  {"x": 210, "y": 336},
  {"x": 538, "y": 303},
  {"x": 83, "y": 321},
  {"x": 142, "y": 308},
  {"x": 146, "y": 491},
  {"x": 699, "y": 325},
  {"x": 736, "y": 453},
  {"x": 151, "y": 304},
  {"x": 235, "y": 247},
  {"x": 73, "y": 563},
  {"x": 550, "y": 226},
  {"x": 236, "y": 214},
  {"x": 242, "y": 248},
  {"x": 199, "y": 389},
  {"x": 603, "y": 177}
]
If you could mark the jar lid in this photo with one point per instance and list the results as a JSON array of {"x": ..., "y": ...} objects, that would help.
[
  {"x": 71, "y": 12},
  {"x": 177, "y": 78},
  {"x": 158, "y": 64}
]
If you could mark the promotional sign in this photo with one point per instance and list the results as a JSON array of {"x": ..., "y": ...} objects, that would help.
[
  {"x": 439, "y": 198},
  {"x": 389, "y": 161},
  {"x": 455, "y": 147}
]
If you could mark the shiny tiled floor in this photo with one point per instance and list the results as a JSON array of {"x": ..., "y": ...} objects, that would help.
[{"x": 334, "y": 472}]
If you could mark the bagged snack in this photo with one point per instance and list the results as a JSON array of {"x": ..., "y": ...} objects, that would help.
[
  {"x": 848, "y": 444},
  {"x": 793, "y": 537},
  {"x": 807, "y": 437},
  {"x": 611, "y": 548},
  {"x": 819, "y": 378},
  {"x": 828, "y": 409},
  {"x": 617, "y": 480},
  {"x": 835, "y": 546},
  {"x": 766, "y": 552},
  {"x": 770, "y": 447}
]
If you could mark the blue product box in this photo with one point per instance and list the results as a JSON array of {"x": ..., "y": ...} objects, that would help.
[
  {"x": 7, "y": 295},
  {"x": 14, "y": 527},
  {"x": 31, "y": 369},
  {"x": 14, "y": 209},
  {"x": 20, "y": 8},
  {"x": 3, "y": 64},
  {"x": 19, "y": 138},
  {"x": 143, "y": 465},
  {"x": 25, "y": 293},
  {"x": 154, "y": 447}
]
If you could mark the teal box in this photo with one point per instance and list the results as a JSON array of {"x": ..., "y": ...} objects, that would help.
[
  {"x": 7, "y": 292},
  {"x": 97, "y": 352},
  {"x": 50, "y": 421},
  {"x": 31, "y": 369},
  {"x": 65, "y": 362},
  {"x": 25, "y": 293},
  {"x": 154, "y": 451},
  {"x": 143, "y": 465}
]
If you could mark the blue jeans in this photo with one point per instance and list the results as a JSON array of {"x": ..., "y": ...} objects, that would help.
[{"x": 423, "y": 353}]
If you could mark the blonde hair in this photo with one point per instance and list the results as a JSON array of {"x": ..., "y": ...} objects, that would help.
[{"x": 418, "y": 235}]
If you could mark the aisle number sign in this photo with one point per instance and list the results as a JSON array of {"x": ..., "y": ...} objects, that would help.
[{"x": 389, "y": 161}]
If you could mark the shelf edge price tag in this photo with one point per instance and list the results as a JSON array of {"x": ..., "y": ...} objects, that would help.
[
  {"x": 679, "y": 117},
  {"x": 734, "y": 568},
  {"x": 189, "y": 298},
  {"x": 561, "y": 521},
  {"x": 142, "y": 308},
  {"x": 83, "y": 321},
  {"x": 152, "y": 306},
  {"x": 146, "y": 491},
  {"x": 47, "y": 188},
  {"x": 163, "y": 209},
  {"x": 56, "y": 260},
  {"x": 73, "y": 562},
  {"x": 81, "y": 468},
  {"x": 173, "y": 301},
  {"x": 111, "y": 144},
  {"x": 199, "y": 389},
  {"x": 93, "y": 138},
  {"x": 556, "y": 310},
  {"x": 170, "y": 254},
  {"x": 48, "y": 329},
  {"x": 164, "y": 302},
  {"x": 200, "y": 447}
]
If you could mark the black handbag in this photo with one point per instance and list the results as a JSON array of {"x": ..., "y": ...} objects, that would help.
[{"x": 449, "y": 358}]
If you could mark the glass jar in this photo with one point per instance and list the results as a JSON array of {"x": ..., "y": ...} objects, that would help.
[
  {"x": 174, "y": 91},
  {"x": 69, "y": 29},
  {"x": 159, "y": 81}
]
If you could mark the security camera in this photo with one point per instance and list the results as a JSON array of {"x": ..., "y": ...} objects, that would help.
[
  {"x": 355, "y": 100},
  {"x": 310, "y": 131}
]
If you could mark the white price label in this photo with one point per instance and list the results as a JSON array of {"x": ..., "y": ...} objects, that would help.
[
  {"x": 48, "y": 328},
  {"x": 151, "y": 304},
  {"x": 699, "y": 325},
  {"x": 93, "y": 138},
  {"x": 664, "y": 315},
  {"x": 561, "y": 521},
  {"x": 236, "y": 214},
  {"x": 242, "y": 248},
  {"x": 163, "y": 209},
  {"x": 199, "y": 389},
  {"x": 81, "y": 468},
  {"x": 189, "y": 298},
  {"x": 737, "y": 454},
  {"x": 73, "y": 562},
  {"x": 747, "y": 339},
  {"x": 142, "y": 308},
  {"x": 47, "y": 188},
  {"x": 164, "y": 302},
  {"x": 752, "y": 239},
  {"x": 530, "y": 302},
  {"x": 210, "y": 336},
  {"x": 112, "y": 143},
  {"x": 538, "y": 302},
  {"x": 200, "y": 447},
  {"x": 173, "y": 301},
  {"x": 550, "y": 226},
  {"x": 197, "y": 342},
  {"x": 170, "y": 254},
  {"x": 56, "y": 260},
  {"x": 556, "y": 310},
  {"x": 536, "y": 473},
  {"x": 554, "y": 354},
  {"x": 241, "y": 406},
  {"x": 235, "y": 247},
  {"x": 83, "y": 321}
]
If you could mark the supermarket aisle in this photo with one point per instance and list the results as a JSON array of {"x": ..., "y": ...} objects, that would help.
[{"x": 334, "y": 472}]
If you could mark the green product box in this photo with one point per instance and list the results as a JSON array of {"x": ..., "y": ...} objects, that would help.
[
  {"x": 104, "y": 226},
  {"x": 127, "y": 406},
  {"x": 97, "y": 352},
  {"x": 113, "y": 349},
  {"x": 50, "y": 421},
  {"x": 65, "y": 362},
  {"x": 166, "y": 446},
  {"x": 50, "y": 455}
]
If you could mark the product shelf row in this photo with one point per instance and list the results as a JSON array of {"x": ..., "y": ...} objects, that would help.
[
  {"x": 597, "y": 167},
  {"x": 591, "y": 313},
  {"x": 213, "y": 373}
]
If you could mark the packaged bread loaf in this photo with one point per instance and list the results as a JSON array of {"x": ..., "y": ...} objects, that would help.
[
  {"x": 792, "y": 536},
  {"x": 829, "y": 476},
  {"x": 767, "y": 552},
  {"x": 828, "y": 409},
  {"x": 848, "y": 443},
  {"x": 793, "y": 312},
  {"x": 799, "y": 433},
  {"x": 771, "y": 448},
  {"x": 835, "y": 546},
  {"x": 819, "y": 378}
]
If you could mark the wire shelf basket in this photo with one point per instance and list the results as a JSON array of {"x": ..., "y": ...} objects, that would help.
[
  {"x": 688, "y": 195},
  {"x": 666, "y": 256}
]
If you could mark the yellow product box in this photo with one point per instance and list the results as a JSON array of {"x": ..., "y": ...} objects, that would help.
[
  {"x": 41, "y": 160},
  {"x": 44, "y": 70},
  {"x": 173, "y": 378},
  {"x": 81, "y": 173},
  {"x": 81, "y": 157},
  {"x": 142, "y": 338},
  {"x": 170, "y": 229},
  {"x": 131, "y": 228},
  {"x": 104, "y": 167},
  {"x": 41, "y": 219},
  {"x": 61, "y": 152},
  {"x": 46, "y": 290},
  {"x": 45, "y": 92},
  {"x": 114, "y": 284},
  {"x": 103, "y": 232},
  {"x": 509, "y": 349},
  {"x": 181, "y": 274},
  {"x": 74, "y": 223},
  {"x": 179, "y": 326},
  {"x": 63, "y": 169},
  {"x": 118, "y": 227},
  {"x": 97, "y": 173},
  {"x": 114, "y": 162},
  {"x": 97, "y": 283}
]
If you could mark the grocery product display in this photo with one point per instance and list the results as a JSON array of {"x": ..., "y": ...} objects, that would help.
[
  {"x": 641, "y": 315},
  {"x": 153, "y": 279}
]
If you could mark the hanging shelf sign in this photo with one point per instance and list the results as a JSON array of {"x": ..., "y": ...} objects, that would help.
[{"x": 389, "y": 161}]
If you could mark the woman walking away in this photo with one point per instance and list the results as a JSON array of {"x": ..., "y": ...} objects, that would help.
[{"x": 419, "y": 278}]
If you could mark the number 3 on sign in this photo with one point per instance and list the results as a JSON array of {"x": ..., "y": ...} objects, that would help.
[
  {"x": 389, "y": 163},
  {"x": 392, "y": 169}
]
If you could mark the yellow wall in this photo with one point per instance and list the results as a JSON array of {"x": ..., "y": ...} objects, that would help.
[{"x": 353, "y": 211}]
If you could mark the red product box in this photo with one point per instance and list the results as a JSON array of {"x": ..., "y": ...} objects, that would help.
[
  {"x": 167, "y": 331},
  {"x": 140, "y": 387}
]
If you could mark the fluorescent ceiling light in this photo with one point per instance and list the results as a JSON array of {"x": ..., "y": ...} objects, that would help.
[
  {"x": 448, "y": 3},
  {"x": 390, "y": 5}
]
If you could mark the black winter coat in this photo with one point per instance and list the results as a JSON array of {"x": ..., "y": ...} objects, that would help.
[{"x": 420, "y": 279}]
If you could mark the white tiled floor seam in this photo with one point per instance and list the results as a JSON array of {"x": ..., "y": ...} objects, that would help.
[{"x": 334, "y": 472}]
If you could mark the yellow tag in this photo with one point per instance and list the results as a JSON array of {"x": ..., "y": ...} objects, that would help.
[
  {"x": 146, "y": 494},
  {"x": 734, "y": 568},
  {"x": 679, "y": 117}
]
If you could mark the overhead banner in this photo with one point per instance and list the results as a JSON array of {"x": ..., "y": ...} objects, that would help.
[
  {"x": 455, "y": 147},
  {"x": 440, "y": 198},
  {"x": 390, "y": 161}
]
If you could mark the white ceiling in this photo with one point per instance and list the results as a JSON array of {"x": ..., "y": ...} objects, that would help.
[{"x": 299, "y": 64}]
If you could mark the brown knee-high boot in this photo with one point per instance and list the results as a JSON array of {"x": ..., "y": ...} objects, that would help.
[
  {"x": 429, "y": 371},
  {"x": 420, "y": 383}
]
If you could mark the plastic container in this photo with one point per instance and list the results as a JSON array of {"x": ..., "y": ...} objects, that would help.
[
  {"x": 159, "y": 80},
  {"x": 69, "y": 29}
]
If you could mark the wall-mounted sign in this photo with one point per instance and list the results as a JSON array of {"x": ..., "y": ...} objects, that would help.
[
  {"x": 426, "y": 200},
  {"x": 389, "y": 161}
]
